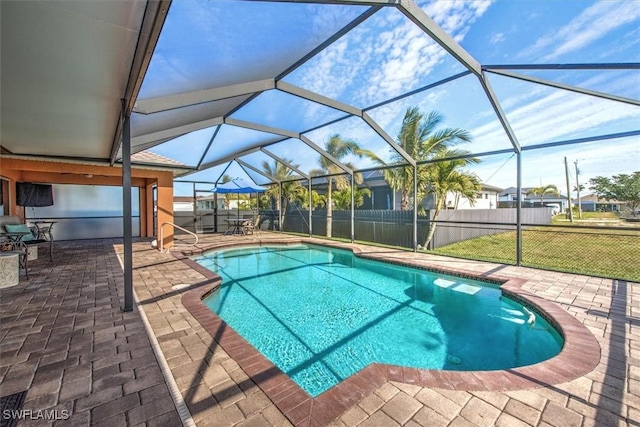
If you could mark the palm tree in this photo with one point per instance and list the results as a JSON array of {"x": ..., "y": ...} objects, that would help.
[
  {"x": 317, "y": 200},
  {"x": 338, "y": 148},
  {"x": 342, "y": 198},
  {"x": 291, "y": 190},
  {"x": 541, "y": 191},
  {"x": 445, "y": 177},
  {"x": 227, "y": 197},
  {"x": 420, "y": 138}
]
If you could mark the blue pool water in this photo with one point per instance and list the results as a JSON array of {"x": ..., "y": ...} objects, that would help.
[{"x": 322, "y": 314}]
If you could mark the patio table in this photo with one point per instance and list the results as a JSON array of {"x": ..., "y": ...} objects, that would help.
[
  {"x": 44, "y": 229},
  {"x": 236, "y": 226}
]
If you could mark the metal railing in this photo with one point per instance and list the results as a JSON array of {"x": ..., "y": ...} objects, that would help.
[{"x": 161, "y": 245}]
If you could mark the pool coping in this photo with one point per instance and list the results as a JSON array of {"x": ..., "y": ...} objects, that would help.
[{"x": 579, "y": 355}]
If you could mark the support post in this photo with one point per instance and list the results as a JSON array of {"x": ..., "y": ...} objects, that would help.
[
  {"x": 280, "y": 206},
  {"x": 578, "y": 189},
  {"x": 353, "y": 206},
  {"x": 566, "y": 172},
  {"x": 415, "y": 208},
  {"x": 519, "y": 208},
  {"x": 310, "y": 207},
  {"x": 195, "y": 208},
  {"x": 126, "y": 215}
]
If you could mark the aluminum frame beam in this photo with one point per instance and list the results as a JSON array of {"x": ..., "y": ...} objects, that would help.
[
  {"x": 322, "y": 46},
  {"x": 574, "y": 66},
  {"x": 231, "y": 157},
  {"x": 412, "y": 11},
  {"x": 349, "y": 109},
  {"x": 166, "y": 134},
  {"x": 222, "y": 174},
  {"x": 317, "y": 98},
  {"x": 322, "y": 152},
  {"x": 290, "y": 134},
  {"x": 206, "y": 150},
  {"x": 187, "y": 99},
  {"x": 570, "y": 88},
  {"x": 261, "y": 128},
  {"x": 284, "y": 162},
  {"x": 497, "y": 107},
  {"x": 582, "y": 140},
  {"x": 244, "y": 164},
  {"x": 343, "y": 2},
  {"x": 384, "y": 135},
  {"x": 155, "y": 14}
]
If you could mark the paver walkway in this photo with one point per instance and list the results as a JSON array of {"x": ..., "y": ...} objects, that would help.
[{"x": 64, "y": 338}]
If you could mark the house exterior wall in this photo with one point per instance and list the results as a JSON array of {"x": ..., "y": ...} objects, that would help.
[
  {"x": 16, "y": 170},
  {"x": 486, "y": 200},
  {"x": 182, "y": 206}
]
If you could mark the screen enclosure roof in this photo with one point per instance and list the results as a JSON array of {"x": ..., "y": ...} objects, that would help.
[{"x": 259, "y": 83}]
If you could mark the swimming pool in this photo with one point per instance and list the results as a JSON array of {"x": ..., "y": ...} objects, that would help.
[{"x": 321, "y": 314}]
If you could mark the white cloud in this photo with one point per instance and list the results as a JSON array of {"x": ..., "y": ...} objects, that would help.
[
  {"x": 562, "y": 115},
  {"x": 497, "y": 38},
  {"x": 591, "y": 25},
  {"x": 387, "y": 55},
  {"x": 540, "y": 114}
]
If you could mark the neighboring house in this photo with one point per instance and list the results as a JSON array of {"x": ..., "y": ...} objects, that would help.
[
  {"x": 509, "y": 197},
  {"x": 487, "y": 199},
  {"x": 209, "y": 202},
  {"x": 591, "y": 203},
  {"x": 185, "y": 203},
  {"x": 383, "y": 197},
  {"x": 182, "y": 203}
]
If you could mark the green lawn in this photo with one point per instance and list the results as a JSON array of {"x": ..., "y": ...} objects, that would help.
[{"x": 600, "y": 253}]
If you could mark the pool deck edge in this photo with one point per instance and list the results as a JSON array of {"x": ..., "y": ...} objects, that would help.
[{"x": 579, "y": 356}]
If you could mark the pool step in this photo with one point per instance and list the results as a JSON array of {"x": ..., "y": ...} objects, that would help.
[{"x": 453, "y": 285}]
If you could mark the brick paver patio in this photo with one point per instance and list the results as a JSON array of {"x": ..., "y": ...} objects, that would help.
[{"x": 64, "y": 338}]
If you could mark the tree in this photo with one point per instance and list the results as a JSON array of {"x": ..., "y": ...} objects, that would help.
[
  {"x": 342, "y": 198},
  {"x": 578, "y": 189},
  {"x": 227, "y": 197},
  {"x": 317, "y": 200},
  {"x": 338, "y": 148},
  {"x": 291, "y": 190},
  {"x": 419, "y": 137},
  {"x": 542, "y": 191},
  {"x": 446, "y": 177},
  {"x": 621, "y": 188}
]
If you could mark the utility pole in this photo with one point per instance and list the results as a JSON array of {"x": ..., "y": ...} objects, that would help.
[
  {"x": 566, "y": 172},
  {"x": 578, "y": 189}
]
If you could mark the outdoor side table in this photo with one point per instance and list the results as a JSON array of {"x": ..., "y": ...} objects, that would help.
[
  {"x": 20, "y": 248},
  {"x": 9, "y": 269}
]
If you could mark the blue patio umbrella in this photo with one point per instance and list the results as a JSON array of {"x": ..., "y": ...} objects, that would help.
[{"x": 238, "y": 186}]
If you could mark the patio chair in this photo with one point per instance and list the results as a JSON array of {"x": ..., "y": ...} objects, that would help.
[
  {"x": 252, "y": 225},
  {"x": 11, "y": 226}
]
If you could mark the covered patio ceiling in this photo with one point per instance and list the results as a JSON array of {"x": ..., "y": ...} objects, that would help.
[{"x": 249, "y": 82}]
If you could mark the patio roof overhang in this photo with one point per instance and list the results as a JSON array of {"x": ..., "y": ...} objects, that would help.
[{"x": 68, "y": 68}]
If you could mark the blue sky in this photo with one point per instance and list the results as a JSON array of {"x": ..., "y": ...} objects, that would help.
[{"x": 210, "y": 44}]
